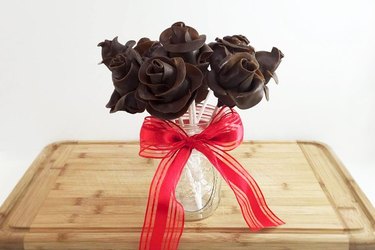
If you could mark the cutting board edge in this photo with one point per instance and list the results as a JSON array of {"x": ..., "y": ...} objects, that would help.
[
  {"x": 22, "y": 185},
  {"x": 357, "y": 241},
  {"x": 356, "y": 190}
]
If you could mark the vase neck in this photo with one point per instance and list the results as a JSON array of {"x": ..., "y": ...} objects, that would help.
[{"x": 193, "y": 129}]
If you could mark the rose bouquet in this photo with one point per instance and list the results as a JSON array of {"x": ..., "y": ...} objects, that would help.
[{"x": 172, "y": 80}]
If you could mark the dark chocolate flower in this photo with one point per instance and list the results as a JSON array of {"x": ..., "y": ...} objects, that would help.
[
  {"x": 184, "y": 41},
  {"x": 124, "y": 62},
  {"x": 168, "y": 86},
  {"x": 236, "y": 43},
  {"x": 236, "y": 80},
  {"x": 110, "y": 49},
  {"x": 268, "y": 63}
]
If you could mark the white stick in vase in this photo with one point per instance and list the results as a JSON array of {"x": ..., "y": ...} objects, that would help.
[
  {"x": 204, "y": 105},
  {"x": 191, "y": 121},
  {"x": 194, "y": 112},
  {"x": 196, "y": 189},
  {"x": 192, "y": 162},
  {"x": 214, "y": 113}
]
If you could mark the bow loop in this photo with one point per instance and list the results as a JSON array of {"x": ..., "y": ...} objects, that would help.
[
  {"x": 225, "y": 131},
  {"x": 159, "y": 138}
]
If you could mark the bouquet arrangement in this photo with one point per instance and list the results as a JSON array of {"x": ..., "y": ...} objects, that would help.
[
  {"x": 165, "y": 77},
  {"x": 172, "y": 79}
]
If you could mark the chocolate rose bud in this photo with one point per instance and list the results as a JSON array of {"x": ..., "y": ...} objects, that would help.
[
  {"x": 180, "y": 38},
  {"x": 268, "y": 63},
  {"x": 236, "y": 43},
  {"x": 147, "y": 48},
  {"x": 237, "y": 81},
  {"x": 110, "y": 49},
  {"x": 168, "y": 86},
  {"x": 124, "y": 62}
]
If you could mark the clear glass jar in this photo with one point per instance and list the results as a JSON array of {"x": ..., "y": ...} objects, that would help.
[{"x": 198, "y": 189}]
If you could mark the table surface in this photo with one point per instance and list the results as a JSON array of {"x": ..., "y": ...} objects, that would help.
[{"x": 92, "y": 195}]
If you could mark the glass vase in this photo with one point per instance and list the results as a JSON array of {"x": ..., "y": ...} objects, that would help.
[{"x": 198, "y": 189}]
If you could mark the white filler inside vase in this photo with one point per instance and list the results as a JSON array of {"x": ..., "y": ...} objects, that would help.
[{"x": 198, "y": 189}]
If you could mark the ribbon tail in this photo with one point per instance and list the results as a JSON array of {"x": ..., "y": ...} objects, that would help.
[
  {"x": 254, "y": 208},
  {"x": 164, "y": 218}
]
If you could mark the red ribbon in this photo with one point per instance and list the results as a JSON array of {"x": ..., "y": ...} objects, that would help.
[{"x": 164, "y": 218}]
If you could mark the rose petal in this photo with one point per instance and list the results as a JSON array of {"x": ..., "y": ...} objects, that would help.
[
  {"x": 225, "y": 100},
  {"x": 172, "y": 115},
  {"x": 113, "y": 100},
  {"x": 266, "y": 92},
  {"x": 189, "y": 57},
  {"x": 179, "y": 85},
  {"x": 147, "y": 69},
  {"x": 220, "y": 52},
  {"x": 143, "y": 45},
  {"x": 236, "y": 43},
  {"x": 195, "y": 76},
  {"x": 246, "y": 100},
  {"x": 268, "y": 62},
  {"x": 119, "y": 66},
  {"x": 185, "y": 47},
  {"x": 129, "y": 104},
  {"x": 202, "y": 92},
  {"x": 213, "y": 84},
  {"x": 144, "y": 94},
  {"x": 247, "y": 84},
  {"x": 171, "y": 106},
  {"x": 129, "y": 82},
  {"x": 236, "y": 69},
  {"x": 219, "y": 92},
  {"x": 204, "y": 54},
  {"x": 147, "y": 48},
  {"x": 238, "y": 40}
]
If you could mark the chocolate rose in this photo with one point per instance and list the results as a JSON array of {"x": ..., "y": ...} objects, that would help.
[
  {"x": 236, "y": 81},
  {"x": 268, "y": 63},
  {"x": 180, "y": 38},
  {"x": 124, "y": 62},
  {"x": 168, "y": 86},
  {"x": 184, "y": 41},
  {"x": 110, "y": 49},
  {"x": 236, "y": 43}
]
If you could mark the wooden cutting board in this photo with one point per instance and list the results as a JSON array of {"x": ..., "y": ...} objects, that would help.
[{"x": 92, "y": 195}]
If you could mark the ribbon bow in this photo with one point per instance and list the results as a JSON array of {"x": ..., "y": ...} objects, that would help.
[{"x": 164, "y": 218}]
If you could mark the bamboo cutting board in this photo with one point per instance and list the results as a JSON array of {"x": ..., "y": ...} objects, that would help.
[{"x": 92, "y": 195}]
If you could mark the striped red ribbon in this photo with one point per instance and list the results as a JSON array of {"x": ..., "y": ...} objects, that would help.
[{"x": 164, "y": 218}]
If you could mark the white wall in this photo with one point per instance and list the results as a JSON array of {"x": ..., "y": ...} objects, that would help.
[{"x": 51, "y": 87}]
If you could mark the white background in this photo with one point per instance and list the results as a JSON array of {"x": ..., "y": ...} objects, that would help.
[{"x": 51, "y": 87}]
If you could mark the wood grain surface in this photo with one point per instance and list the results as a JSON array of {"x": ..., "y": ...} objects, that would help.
[{"x": 92, "y": 195}]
